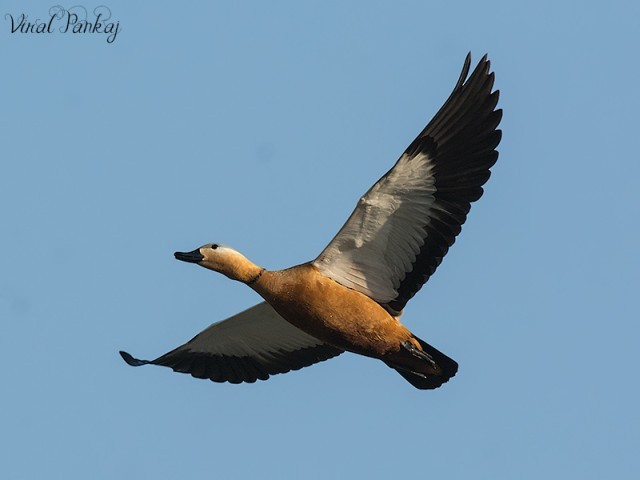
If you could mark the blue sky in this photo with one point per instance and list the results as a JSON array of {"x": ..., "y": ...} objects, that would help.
[{"x": 259, "y": 126}]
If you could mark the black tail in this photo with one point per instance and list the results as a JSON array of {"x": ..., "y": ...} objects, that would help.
[{"x": 429, "y": 369}]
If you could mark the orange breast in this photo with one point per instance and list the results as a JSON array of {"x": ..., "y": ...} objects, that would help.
[{"x": 331, "y": 312}]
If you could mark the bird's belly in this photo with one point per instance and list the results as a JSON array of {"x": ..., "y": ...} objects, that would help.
[{"x": 341, "y": 317}]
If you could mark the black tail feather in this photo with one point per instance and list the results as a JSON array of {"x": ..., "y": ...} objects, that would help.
[{"x": 438, "y": 368}]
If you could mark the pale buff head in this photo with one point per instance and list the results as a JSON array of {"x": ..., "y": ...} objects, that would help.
[{"x": 225, "y": 260}]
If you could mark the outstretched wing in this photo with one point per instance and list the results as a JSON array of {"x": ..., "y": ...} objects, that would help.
[
  {"x": 247, "y": 347},
  {"x": 404, "y": 225}
]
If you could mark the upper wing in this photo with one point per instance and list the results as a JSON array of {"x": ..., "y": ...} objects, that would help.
[
  {"x": 249, "y": 346},
  {"x": 404, "y": 225}
]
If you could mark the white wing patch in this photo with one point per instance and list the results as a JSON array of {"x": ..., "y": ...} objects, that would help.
[
  {"x": 255, "y": 332},
  {"x": 377, "y": 245},
  {"x": 249, "y": 346}
]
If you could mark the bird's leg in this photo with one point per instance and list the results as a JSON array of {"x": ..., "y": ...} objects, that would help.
[{"x": 407, "y": 345}]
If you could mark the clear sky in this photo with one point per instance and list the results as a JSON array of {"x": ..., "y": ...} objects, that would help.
[{"x": 258, "y": 125}]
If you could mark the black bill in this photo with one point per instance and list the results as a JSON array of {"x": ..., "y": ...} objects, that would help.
[{"x": 191, "y": 257}]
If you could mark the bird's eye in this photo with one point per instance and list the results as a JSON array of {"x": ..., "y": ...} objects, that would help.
[{"x": 214, "y": 246}]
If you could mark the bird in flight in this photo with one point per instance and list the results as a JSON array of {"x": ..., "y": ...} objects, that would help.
[{"x": 351, "y": 296}]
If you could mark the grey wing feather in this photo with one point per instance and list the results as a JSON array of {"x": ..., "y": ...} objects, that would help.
[{"x": 249, "y": 346}]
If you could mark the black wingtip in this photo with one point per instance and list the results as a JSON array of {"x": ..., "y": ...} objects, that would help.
[
  {"x": 134, "y": 362},
  {"x": 465, "y": 72}
]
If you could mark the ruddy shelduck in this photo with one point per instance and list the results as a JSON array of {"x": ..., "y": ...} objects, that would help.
[{"x": 350, "y": 298}]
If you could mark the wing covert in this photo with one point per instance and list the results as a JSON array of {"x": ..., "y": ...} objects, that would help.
[
  {"x": 249, "y": 346},
  {"x": 404, "y": 225}
]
